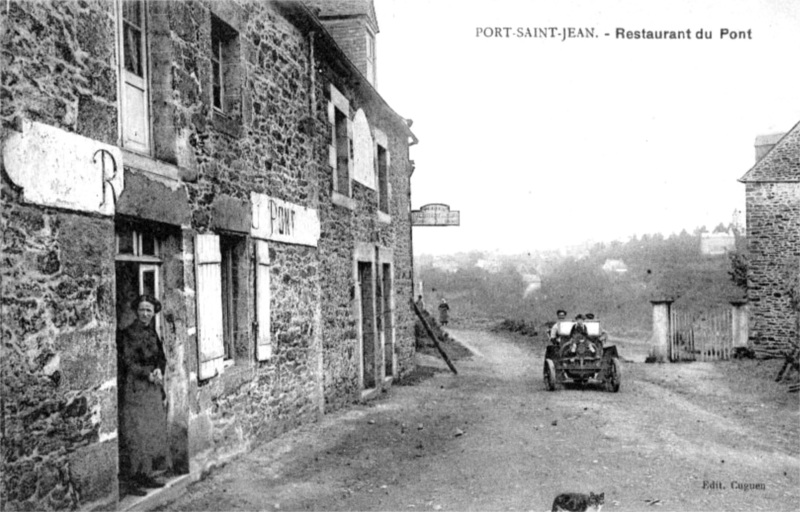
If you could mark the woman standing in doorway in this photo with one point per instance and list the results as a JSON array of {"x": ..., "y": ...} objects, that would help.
[{"x": 143, "y": 428}]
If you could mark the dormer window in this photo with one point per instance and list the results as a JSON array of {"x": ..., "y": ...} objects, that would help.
[{"x": 370, "y": 51}]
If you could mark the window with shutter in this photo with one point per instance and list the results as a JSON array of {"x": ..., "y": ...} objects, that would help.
[
  {"x": 370, "y": 51},
  {"x": 263, "y": 297},
  {"x": 134, "y": 75},
  {"x": 224, "y": 67},
  {"x": 233, "y": 316},
  {"x": 341, "y": 148},
  {"x": 211, "y": 350}
]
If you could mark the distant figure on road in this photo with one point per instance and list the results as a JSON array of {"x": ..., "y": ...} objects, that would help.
[
  {"x": 561, "y": 315},
  {"x": 420, "y": 304},
  {"x": 444, "y": 312}
]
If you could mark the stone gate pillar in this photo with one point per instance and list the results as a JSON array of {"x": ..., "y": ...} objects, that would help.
[
  {"x": 739, "y": 330},
  {"x": 661, "y": 329}
]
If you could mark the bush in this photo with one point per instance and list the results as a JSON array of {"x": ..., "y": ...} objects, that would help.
[{"x": 517, "y": 326}]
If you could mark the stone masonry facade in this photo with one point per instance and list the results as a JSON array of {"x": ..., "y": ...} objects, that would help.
[
  {"x": 773, "y": 237},
  {"x": 217, "y": 167}
]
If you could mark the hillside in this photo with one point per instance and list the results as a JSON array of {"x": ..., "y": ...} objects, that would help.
[{"x": 614, "y": 281}]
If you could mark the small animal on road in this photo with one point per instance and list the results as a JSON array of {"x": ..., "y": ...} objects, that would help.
[{"x": 575, "y": 502}]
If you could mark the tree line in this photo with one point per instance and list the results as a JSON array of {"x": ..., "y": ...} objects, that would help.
[{"x": 491, "y": 288}]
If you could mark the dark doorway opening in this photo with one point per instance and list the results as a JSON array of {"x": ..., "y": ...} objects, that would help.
[
  {"x": 388, "y": 320},
  {"x": 368, "y": 331},
  {"x": 145, "y": 461}
]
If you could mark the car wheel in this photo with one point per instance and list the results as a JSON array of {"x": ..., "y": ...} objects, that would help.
[
  {"x": 550, "y": 378},
  {"x": 613, "y": 376}
]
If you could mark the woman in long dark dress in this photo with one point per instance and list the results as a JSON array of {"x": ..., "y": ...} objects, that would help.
[
  {"x": 144, "y": 419},
  {"x": 444, "y": 312}
]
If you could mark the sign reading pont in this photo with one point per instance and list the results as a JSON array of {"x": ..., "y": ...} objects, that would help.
[{"x": 281, "y": 221}]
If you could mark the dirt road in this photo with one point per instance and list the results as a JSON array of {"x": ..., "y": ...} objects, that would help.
[{"x": 676, "y": 437}]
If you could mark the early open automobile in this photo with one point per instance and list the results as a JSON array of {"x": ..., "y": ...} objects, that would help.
[{"x": 581, "y": 358}]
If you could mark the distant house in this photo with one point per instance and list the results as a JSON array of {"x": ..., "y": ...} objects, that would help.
[
  {"x": 532, "y": 283},
  {"x": 773, "y": 240},
  {"x": 615, "y": 267},
  {"x": 715, "y": 244},
  {"x": 445, "y": 264},
  {"x": 491, "y": 264}
]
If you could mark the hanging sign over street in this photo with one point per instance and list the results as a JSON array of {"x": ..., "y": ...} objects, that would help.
[{"x": 435, "y": 214}]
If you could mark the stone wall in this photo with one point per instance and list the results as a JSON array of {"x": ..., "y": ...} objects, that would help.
[
  {"x": 261, "y": 146},
  {"x": 773, "y": 215},
  {"x": 58, "y": 360},
  {"x": 57, "y": 277},
  {"x": 342, "y": 229},
  {"x": 58, "y": 273},
  {"x": 62, "y": 70}
]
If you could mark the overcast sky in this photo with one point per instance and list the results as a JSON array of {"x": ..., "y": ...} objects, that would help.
[{"x": 541, "y": 142}]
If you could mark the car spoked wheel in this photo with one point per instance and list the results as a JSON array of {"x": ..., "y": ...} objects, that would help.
[
  {"x": 613, "y": 376},
  {"x": 550, "y": 379}
]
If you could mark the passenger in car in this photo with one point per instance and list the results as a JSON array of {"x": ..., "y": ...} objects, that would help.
[
  {"x": 561, "y": 315},
  {"x": 603, "y": 337}
]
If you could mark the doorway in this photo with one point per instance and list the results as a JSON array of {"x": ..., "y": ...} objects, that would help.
[
  {"x": 142, "y": 416},
  {"x": 368, "y": 330},
  {"x": 388, "y": 320}
]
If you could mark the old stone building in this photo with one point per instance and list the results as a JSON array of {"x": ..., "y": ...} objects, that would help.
[
  {"x": 773, "y": 239},
  {"x": 234, "y": 160}
]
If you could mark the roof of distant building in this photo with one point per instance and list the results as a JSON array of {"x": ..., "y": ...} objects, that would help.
[
  {"x": 615, "y": 266},
  {"x": 781, "y": 163}
]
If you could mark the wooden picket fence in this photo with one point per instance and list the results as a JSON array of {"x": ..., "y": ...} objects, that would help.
[{"x": 707, "y": 336}]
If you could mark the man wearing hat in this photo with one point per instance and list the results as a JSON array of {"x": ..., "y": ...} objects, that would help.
[
  {"x": 603, "y": 335},
  {"x": 561, "y": 315},
  {"x": 579, "y": 327}
]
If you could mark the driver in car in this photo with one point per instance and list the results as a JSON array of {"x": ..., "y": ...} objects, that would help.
[{"x": 579, "y": 333}]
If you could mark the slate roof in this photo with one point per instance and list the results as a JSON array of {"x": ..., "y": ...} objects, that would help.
[
  {"x": 781, "y": 163},
  {"x": 344, "y": 9}
]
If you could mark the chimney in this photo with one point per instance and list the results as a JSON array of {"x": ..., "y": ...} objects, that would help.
[
  {"x": 353, "y": 25},
  {"x": 766, "y": 142}
]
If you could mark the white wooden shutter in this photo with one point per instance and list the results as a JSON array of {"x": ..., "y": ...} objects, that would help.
[
  {"x": 388, "y": 180},
  {"x": 211, "y": 350},
  {"x": 332, "y": 146},
  {"x": 263, "y": 297},
  {"x": 350, "y": 157}
]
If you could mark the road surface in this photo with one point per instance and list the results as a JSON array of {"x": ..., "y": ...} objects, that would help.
[{"x": 678, "y": 437}]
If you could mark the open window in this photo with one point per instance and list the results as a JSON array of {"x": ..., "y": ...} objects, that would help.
[
  {"x": 224, "y": 66},
  {"x": 134, "y": 76},
  {"x": 234, "y": 315},
  {"x": 370, "y": 54},
  {"x": 341, "y": 148}
]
